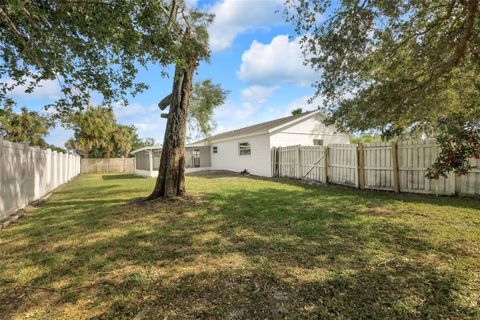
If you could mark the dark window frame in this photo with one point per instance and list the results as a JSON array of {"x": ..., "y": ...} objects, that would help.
[{"x": 244, "y": 149}]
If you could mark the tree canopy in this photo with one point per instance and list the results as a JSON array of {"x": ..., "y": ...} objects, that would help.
[
  {"x": 398, "y": 67},
  {"x": 88, "y": 46},
  {"x": 395, "y": 66},
  {"x": 25, "y": 126}
]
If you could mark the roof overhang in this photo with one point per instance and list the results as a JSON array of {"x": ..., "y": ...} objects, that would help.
[
  {"x": 210, "y": 141},
  {"x": 197, "y": 144},
  {"x": 145, "y": 149},
  {"x": 299, "y": 119}
]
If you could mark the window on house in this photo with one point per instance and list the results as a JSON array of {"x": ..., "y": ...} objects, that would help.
[
  {"x": 244, "y": 149},
  {"x": 215, "y": 149},
  {"x": 318, "y": 142}
]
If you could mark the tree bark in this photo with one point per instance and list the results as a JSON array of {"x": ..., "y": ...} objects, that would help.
[{"x": 171, "y": 173}]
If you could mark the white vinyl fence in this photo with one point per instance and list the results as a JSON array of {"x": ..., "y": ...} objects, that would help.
[
  {"x": 399, "y": 167},
  {"x": 28, "y": 173}
]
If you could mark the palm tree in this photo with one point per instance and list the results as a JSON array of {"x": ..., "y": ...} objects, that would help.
[
  {"x": 26, "y": 126},
  {"x": 98, "y": 135}
]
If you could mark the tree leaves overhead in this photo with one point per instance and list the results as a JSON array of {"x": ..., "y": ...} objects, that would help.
[
  {"x": 88, "y": 46},
  {"x": 394, "y": 66}
]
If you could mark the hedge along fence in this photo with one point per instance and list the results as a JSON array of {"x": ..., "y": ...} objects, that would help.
[
  {"x": 399, "y": 167},
  {"x": 28, "y": 173}
]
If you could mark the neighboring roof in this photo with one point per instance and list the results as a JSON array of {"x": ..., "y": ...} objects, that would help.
[
  {"x": 145, "y": 149},
  {"x": 263, "y": 127}
]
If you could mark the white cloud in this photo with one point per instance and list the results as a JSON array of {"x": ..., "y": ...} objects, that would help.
[
  {"x": 257, "y": 94},
  {"x": 234, "y": 17},
  {"x": 231, "y": 116},
  {"x": 191, "y": 3},
  {"x": 133, "y": 110},
  {"x": 276, "y": 62},
  {"x": 146, "y": 118},
  {"x": 152, "y": 127},
  {"x": 46, "y": 89}
]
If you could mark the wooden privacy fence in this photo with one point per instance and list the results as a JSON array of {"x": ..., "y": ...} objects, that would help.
[
  {"x": 107, "y": 165},
  {"x": 399, "y": 167}
]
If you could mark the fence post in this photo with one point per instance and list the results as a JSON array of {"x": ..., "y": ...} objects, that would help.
[
  {"x": 277, "y": 162},
  {"x": 396, "y": 181},
  {"x": 299, "y": 162},
  {"x": 280, "y": 159},
  {"x": 452, "y": 179},
  {"x": 274, "y": 162},
  {"x": 361, "y": 166},
  {"x": 27, "y": 176},
  {"x": 325, "y": 164},
  {"x": 1, "y": 158},
  {"x": 1, "y": 174}
]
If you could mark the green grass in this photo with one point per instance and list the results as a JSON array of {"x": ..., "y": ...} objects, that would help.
[{"x": 240, "y": 248}]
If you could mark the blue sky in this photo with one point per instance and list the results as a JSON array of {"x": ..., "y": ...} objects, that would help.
[{"x": 255, "y": 55}]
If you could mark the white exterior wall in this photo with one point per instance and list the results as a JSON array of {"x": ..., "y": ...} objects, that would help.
[
  {"x": 228, "y": 158},
  {"x": 146, "y": 173},
  {"x": 304, "y": 132}
]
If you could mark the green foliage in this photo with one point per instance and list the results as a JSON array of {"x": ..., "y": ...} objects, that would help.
[
  {"x": 365, "y": 138},
  {"x": 26, "y": 126},
  {"x": 98, "y": 135},
  {"x": 397, "y": 67},
  {"x": 206, "y": 96},
  {"x": 394, "y": 66},
  {"x": 297, "y": 111},
  {"x": 460, "y": 141},
  {"x": 57, "y": 149},
  {"x": 90, "y": 46},
  {"x": 137, "y": 142}
]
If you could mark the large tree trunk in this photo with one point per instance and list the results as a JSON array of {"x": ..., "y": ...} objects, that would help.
[{"x": 171, "y": 173}]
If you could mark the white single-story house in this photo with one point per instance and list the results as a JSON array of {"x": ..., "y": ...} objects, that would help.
[{"x": 247, "y": 148}]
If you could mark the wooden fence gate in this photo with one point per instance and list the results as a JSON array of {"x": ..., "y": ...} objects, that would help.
[{"x": 399, "y": 167}]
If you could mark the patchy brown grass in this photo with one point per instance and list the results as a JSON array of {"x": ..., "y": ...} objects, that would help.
[{"x": 240, "y": 248}]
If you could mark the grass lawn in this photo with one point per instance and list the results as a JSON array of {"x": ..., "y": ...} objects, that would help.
[{"x": 240, "y": 248}]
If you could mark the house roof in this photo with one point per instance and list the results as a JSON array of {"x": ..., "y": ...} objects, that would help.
[
  {"x": 263, "y": 127},
  {"x": 259, "y": 128}
]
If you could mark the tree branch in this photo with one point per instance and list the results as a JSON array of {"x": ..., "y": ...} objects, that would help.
[{"x": 165, "y": 102}]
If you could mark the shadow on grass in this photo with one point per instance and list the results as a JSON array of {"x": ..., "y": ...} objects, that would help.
[
  {"x": 233, "y": 253},
  {"x": 120, "y": 176}
]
